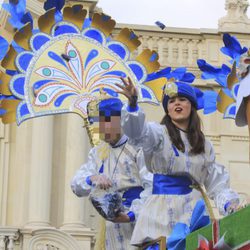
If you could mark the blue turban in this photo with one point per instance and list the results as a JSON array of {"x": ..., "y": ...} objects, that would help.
[
  {"x": 110, "y": 107},
  {"x": 173, "y": 89}
]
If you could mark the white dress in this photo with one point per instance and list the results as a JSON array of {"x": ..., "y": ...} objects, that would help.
[
  {"x": 244, "y": 91},
  {"x": 162, "y": 211},
  {"x": 125, "y": 166}
]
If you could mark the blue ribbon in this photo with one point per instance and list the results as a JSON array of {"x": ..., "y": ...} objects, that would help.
[
  {"x": 177, "y": 240},
  {"x": 130, "y": 195},
  {"x": 167, "y": 184}
]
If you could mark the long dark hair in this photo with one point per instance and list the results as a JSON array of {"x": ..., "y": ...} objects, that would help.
[{"x": 194, "y": 134}]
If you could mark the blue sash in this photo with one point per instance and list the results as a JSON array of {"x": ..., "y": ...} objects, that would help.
[
  {"x": 169, "y": 184},
  {"x": 131, "y": 194}
]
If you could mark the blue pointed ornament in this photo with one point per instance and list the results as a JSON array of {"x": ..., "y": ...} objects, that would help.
[
  {"x": 58, "y": 4},
  {"x": 17, "y": 13},
  {"x": 232, "y": 47},
  {"x": 4, "y": 45}
]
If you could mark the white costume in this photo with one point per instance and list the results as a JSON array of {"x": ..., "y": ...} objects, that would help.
[
  {"x": 162, "y": 211},
  {"x": 125, "y": 166},
  {"x": 244, "y": 91}
]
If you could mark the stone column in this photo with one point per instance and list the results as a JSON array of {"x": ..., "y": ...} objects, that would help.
[
  {"x": 76, "y": 151},
  {"x": 40, "y": 173},
  {"x": 165, "y": 52}
]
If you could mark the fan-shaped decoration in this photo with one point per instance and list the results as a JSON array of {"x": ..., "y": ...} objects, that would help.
[
  {"x": 227, "y": 77},
  {"x": 63, "y": 65}
]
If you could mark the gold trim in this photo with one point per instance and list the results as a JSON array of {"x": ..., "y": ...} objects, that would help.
[
  {"x": 76, "y": 17},
  {"x": 4, "y": 86},
  {"x": 9, "y": 60},
  {"x": 144, "y": 58},
  {"x": 103, "y": 22},
  {"x": 224, "y": 102},
  {"x": 125, "y": 38},
  {"x": 46, "y": 21},
  {"x": 23, "y": 36}
]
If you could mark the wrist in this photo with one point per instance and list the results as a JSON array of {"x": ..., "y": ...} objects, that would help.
[
  {"x": 131, "y": 216},
  {"x": 133, "y": 101}
]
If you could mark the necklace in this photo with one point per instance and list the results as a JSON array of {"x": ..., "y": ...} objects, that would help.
[{"x": 116, "y": 162}]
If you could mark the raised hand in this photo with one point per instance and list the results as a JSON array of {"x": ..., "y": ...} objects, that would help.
[{"x": 129, "y": 90}]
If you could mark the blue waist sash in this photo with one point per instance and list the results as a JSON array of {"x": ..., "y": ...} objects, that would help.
[
  {"x": 169, "y": 184},
  {"x": 131, "y": 194}
]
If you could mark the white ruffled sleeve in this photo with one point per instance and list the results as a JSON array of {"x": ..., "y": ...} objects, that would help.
[
  {"x": 217, "y": 182},
  {"x": 80, "y": 183},
  {"x": 146, "y": 181},
  {"x": 148, "y": 135}
]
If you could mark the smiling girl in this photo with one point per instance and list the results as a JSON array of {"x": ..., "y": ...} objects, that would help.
[{"x": 178, "y": 154}]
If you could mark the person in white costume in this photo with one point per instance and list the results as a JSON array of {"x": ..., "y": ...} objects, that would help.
[
  {"x": 242, "y": 117},
  {"x": 120, "y": 165},
  {"x": 178, "y": 155}
]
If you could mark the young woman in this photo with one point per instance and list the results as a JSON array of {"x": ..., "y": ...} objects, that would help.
[{"x": 178, "y": 155}]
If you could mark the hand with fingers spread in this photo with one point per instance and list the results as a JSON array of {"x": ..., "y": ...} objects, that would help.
[{"x": 129, "y": 90}]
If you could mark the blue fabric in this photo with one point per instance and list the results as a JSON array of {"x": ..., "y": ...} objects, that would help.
[
  {"x": 185, "y": 90},
  {"x": 101, "y": 168},
  {"x": 58, "y": 4},
  {"x": 175, "y": 185},
  {"x": 227, "y": 205},
  {"x": 132, "y": 109},
  {"x": 153, "y": 247},
  {"x": 210, "y": 101},
  {"x": 232, "y": 47},
  {"x": 175, "y": 150},
  {"x": 160, "y": 25},
  {"x": 110, "y": 107},
  {"x": 17, "y": 12},
  {"x": 88, "y": 181},
  {"x": 177, "y": 239},
  {"x": 161, "y": 73},
  {"x": 130, "y": 195},
  {"x": 219, "y": 74},
  {"x": 4, "y": 45},
  {"x": 131, "y": 216}
]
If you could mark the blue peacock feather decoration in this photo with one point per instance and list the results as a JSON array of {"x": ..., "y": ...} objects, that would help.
[
  {"x": 226, "y": 77},
  {"x": 62, "y": 65}
]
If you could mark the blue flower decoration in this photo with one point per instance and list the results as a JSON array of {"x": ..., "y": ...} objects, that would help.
[{"x": 177, "y": 240}]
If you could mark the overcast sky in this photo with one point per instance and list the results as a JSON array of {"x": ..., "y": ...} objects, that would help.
[{"x": 173, "y": 13}]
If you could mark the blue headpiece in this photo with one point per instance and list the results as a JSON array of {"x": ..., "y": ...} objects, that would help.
[
  {"x": 172, "y": 89},
  {"x": 110, "y": 107}
]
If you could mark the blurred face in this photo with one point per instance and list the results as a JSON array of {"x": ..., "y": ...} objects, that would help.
[
  {"x": 179, "y": 110},
  {"x": 110, "y": 128}
]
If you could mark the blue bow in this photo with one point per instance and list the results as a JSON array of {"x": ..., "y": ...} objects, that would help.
[{"x": 177, "y": 240}]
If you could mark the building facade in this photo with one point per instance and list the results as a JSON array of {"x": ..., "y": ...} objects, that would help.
[{"x": 38, "y": 210}]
